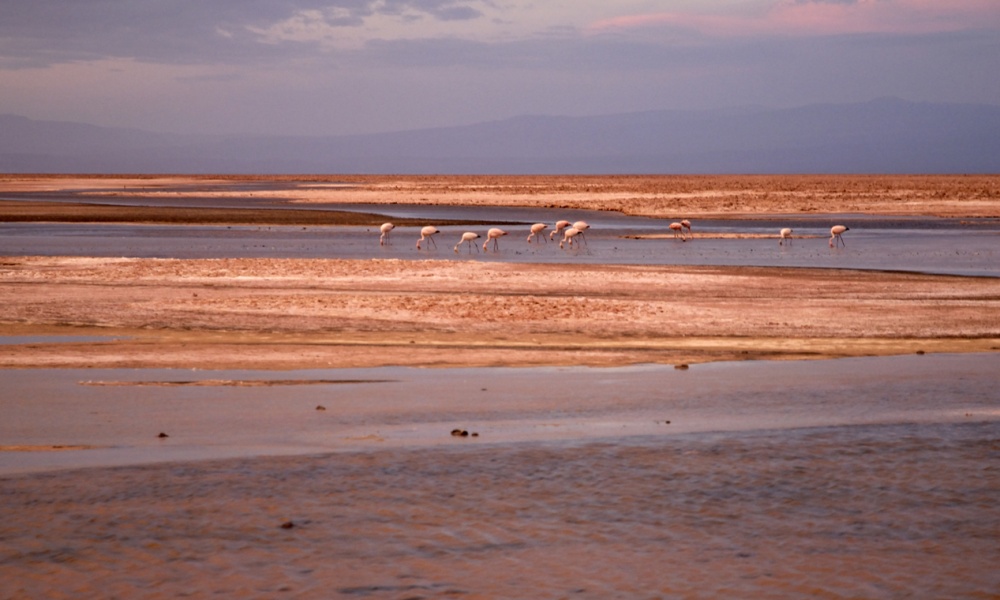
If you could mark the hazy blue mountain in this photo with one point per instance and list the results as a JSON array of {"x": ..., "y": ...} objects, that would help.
[{"x": 882, "y": 136}]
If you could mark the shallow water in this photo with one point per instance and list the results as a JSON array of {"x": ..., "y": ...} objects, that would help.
[
  {"x": 945, "y": 246},
  {"x": 121, "y": 411},
  {"x": 873, "y": 478},
  {"x": 14, "y": 340}
]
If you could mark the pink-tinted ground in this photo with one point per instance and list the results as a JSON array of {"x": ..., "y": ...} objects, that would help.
[{"x": 760, "y": 485}]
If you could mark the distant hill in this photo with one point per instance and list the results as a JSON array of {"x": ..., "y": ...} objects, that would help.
[{"x": 881, "y": 136}]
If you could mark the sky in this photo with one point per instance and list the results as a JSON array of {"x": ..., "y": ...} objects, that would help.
[{"x": 328, "y": 67}]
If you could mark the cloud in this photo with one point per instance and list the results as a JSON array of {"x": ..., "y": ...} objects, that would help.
[
  {"x": 817, "y": 17},
  {"x": 456, "y": 13},
  {"x": 351, "y": 27},
  {"x": 46, "y": 32},
  {"x": 42, "y": 32},
  {"x": 374, "y": 65}
]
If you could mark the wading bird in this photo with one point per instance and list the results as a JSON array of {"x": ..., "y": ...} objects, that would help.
[
  {"x": 467, "y": 238},
  {"x": 786, "y": 234},
  {"x": 582, "y": 226},
  {"x": 426, "y": 233},
  {"x": 568, "y": 236},
  {"x": 536, "y": 231},
  {"x": 383, "y": 239},
  {"x": 678, "y": 230},
  {"x": 494, "y": 234},
  {"x": 687, "y": 225},
  {"x": 835, "y": 236},
  {"x": 560, "y": 225}
]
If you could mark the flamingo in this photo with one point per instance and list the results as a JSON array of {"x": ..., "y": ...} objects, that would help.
[
  {"x": 568, "y": 236},
  {"x": 426, "y": 233},
  {"x": 560, "y": 225},
  {"x": 687, "y": 225},
  {"x": 582, "y": 226},
  {"x": 678, "y": 229},
  {"x": 536, "y": 231},
  {"x": 786, "y": 234},
  {"x": 467, "y": 238},
  {"x": 494, "y": 234},
  {"x": 383, "y": 240},
  {"x": 835, "y": 232}
]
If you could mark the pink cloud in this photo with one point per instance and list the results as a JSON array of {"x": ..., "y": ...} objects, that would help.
[
  {"x": 792, "y": 17},
  {"x": 699, "y": 22},
  {"x": 884, "y": 16}
]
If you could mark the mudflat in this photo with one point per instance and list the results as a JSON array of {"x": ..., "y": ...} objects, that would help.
[
  {"x": 283, "y": 314},
  {"x": 652, "y": 195},
  {"x": 300, "y": 313},
  {"x": 740, "y": 479}
]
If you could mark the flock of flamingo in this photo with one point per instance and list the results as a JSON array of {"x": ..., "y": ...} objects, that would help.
[{"x": 570, "y": 231}]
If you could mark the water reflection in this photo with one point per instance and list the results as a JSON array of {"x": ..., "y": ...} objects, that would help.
[
  {"x": 871, "y": 478},
  {"x": 120, "y": 411},
  {"x": 929, "y": 245}
]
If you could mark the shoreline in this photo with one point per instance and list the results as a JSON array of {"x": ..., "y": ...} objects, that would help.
[
  {"x": 274, "y": 455},
  {"x": 658, "y": 196},
  {"x": 283, "y": 313}
]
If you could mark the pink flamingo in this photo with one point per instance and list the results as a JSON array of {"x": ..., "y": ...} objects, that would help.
[
  {"x": 786, "y": 234},
  {"x": 687, "y": 225},
  {"x": 568, "y": 236},
  {"x": 560, "y": 225},
  {"x": 536, "y": 231},
  {"x": 582, "y": 226},
  {"x": 494, "y": 234},
  {"x": 678, "y": 229},
  {"x": 835, "y": 232},
  {"x": 426, "y": 233},
  {"x": 467, "y": 238},
  {"x": 383, "y": 239}
]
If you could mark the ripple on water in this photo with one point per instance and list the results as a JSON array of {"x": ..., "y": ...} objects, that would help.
[{"x": 875, "y": 511}]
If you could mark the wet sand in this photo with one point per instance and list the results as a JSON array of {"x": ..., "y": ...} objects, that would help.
[
  {"x": 14, "y": 211},
  {"x": 871, "y": 478},
  {"x": 974, "y": 196},
  {"x": 285, "y": 314},
  {"x": 631, "y": 482},
  {"x": 876, "y": 512},
  {"x": 282, "y": 313}
]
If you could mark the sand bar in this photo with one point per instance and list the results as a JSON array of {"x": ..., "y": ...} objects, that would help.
[
  {"x": 294, "y": 313},
  {"x": 744, "y": 479},
  {"x": 301, "y": 313},
  {"x": 973, "y": 196}
]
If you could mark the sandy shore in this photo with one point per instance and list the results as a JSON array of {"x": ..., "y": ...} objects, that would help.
[
  {"x": 973, "y": 196},
  {"x": 293, "y": 313},
  {"x": 282, "y": 314},
  {"x": 684, "y": 483}
]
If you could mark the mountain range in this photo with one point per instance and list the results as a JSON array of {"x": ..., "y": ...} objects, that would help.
[{"x": 887, "y": 135}]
